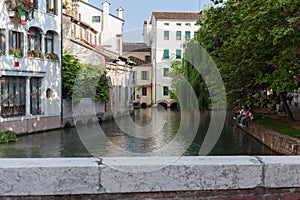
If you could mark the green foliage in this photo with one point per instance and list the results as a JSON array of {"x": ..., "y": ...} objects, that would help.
[
  {"x": 284, "y": 129},
  {"x": 83, "y": 81},
  {"x": 186, "y": 79},
  {"x": 7, "y": 136},
  {"x": 91, "y": 82},
  {"x": 254, "y": 44},
  {"x": 24, "y": 6}
]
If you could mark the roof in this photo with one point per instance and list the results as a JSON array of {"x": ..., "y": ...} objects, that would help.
[
  {"x": 135, "y": 47},
  {"x": 177, "y": 15}
]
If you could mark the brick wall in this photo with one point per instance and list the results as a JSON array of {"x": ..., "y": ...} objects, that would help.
[{"x": 248, "y": 194}]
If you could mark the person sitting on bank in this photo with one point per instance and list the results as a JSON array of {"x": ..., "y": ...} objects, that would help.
[
  {"x": 248, "y": 117},
  {"x": 240, "y": 115}
]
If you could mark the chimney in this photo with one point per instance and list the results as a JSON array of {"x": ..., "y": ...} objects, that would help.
[
  {"x": 105, "y": 6},
  {"x": 120, "y": 12}
]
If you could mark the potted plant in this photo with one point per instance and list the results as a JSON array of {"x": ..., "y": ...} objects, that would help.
[
  {"x": 30, "y": 53},
  {"x": 52, "y": 56},
  {"x": 17, "y": 52},
  {"x": 20, "y": 6}
]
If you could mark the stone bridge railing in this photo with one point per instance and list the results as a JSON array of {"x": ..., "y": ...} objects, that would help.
[{"x": 273, "y": 177}]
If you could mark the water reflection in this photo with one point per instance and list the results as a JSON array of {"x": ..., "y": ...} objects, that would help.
[{"x": 67, "y": 143}]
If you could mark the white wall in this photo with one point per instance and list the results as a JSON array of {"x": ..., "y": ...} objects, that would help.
[{"x": 49, "y": 71}]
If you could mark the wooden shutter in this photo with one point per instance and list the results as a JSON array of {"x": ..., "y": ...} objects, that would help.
[
  {"x": 22, "y": 43},
  {"x": 55, "y": 7}
]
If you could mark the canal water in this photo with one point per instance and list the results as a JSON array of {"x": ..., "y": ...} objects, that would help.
[{"x": 69, "y": 143}]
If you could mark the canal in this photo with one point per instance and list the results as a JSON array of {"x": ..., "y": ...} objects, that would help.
[{"x": 69, "y": 143}]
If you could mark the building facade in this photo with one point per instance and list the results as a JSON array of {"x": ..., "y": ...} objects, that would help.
[
  {"x": 166, "y": 33},
  {"x": 80, "y": 38},
  {"x": 108, "y": 28},
  {"x": 140, "y": 54},
  {"x": 30, "y": 72}
]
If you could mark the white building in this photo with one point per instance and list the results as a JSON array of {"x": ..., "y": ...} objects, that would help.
[
  {"x": 166, "y": 33},
  {"x": 109, "y": 27},
  {"x": 30, "y": 69}
]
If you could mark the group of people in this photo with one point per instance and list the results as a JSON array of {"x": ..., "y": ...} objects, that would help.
[{"x": 244, "y": 116}]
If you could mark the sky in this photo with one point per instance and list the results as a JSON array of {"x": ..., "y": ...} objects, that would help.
[{"x": 136, "y": 11}]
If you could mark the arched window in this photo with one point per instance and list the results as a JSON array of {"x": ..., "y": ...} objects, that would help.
[
  {"x": 34, "y": 39},
  {"x": 49, "y": 42}
]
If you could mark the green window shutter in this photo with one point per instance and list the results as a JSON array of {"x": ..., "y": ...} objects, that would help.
[
  {"x": 178, "y": 33},
  {"x": 166, "y": 33},
  {"x": 178, "y": 53},
  {"x": 166, "y": 53},
  {"x": 22, "y": 43},
  {"x": 56, "y": 7},
  {"x": 36, "y": 4},
  {"x": 188, "y": 34}
]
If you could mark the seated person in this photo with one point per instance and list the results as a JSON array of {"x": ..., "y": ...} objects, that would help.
[{"x": 240, "y": 115}]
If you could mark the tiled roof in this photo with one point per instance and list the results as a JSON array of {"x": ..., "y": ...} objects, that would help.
[
  {"x": 177, "y": 15},
  {"x": 135, "y": 47}
]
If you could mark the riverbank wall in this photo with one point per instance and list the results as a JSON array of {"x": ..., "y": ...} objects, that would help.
[
  {"x": 283, "y": 144},
  {"x": 211, "y": 177}
]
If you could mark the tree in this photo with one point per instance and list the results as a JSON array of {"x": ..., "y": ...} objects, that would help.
[
  {"x": 83, "y": 81},
  {"x": 254, "y": 44}
]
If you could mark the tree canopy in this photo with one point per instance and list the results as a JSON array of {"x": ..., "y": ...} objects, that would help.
[
  {"x": 83, "y": 80},
  {"x": 255, "y": 44}
]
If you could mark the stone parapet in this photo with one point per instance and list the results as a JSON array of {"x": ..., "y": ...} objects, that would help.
[
  {"x": 148, "y": 175},
  {"x": 280, "y": 143}
]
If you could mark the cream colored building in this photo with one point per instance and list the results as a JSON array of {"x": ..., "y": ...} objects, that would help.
[{"x": 140, "y": 54}]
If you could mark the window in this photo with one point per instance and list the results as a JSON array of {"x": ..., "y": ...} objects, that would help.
[
  {"x": 49, "y": 42},
  {"x": 79, "y": 16},
  {"x": 52, "y": 6},
  {"x": 144, "y": 91},
  {"x": 195, "y": 35},
  {"x": 16, "y": 41},
  {"x": 166, "y": 35},
  {"x": 166, "y": 72},
  {"x": 166, "y": 53},
  {"x": 134, "y": 77},
  {"x": 144, "y": 75},
  {"x": 36, "y": 4},
  {"x": 166, "y": 91},
  {"x": 166, "y": 24},
  {"x": 178, "y": 53},
  {"x": 178, "y": 24},
  {"x": 34, "y": 39},
  {"x": 13, "y": 98},
  {"x": 187, "y": 34},
  {"x": 188, "y": 24},
  {"x": 178, "y": 35},
  {"x": 148, "y": 59},
  {"x": 2, "y": 41},
  {"x": 35, "y": 98},
  {"x": 96, "y": 19}
]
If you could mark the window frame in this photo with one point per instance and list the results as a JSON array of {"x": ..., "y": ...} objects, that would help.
[
  {"x": 13, "y": 93},
  {"x": 178, "y": 35},
  {"x": 166, "y": 35},
  {"x": 165, "y": 90},
  {"x": 178, "y": 53},
  {"x": 166, "y": 54},
  {"x": 144, "y": 91},
  {"x": 166, "y": 72}
]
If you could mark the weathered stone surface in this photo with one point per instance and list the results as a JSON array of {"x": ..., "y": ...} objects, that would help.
[
  {"x": 281, "y": 171},
  {"x": 184, "y": 173},
  {"x": 50, "y": 176}
]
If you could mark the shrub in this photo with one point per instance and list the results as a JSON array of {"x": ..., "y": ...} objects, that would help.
[{"x": 7, "y": 136}]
